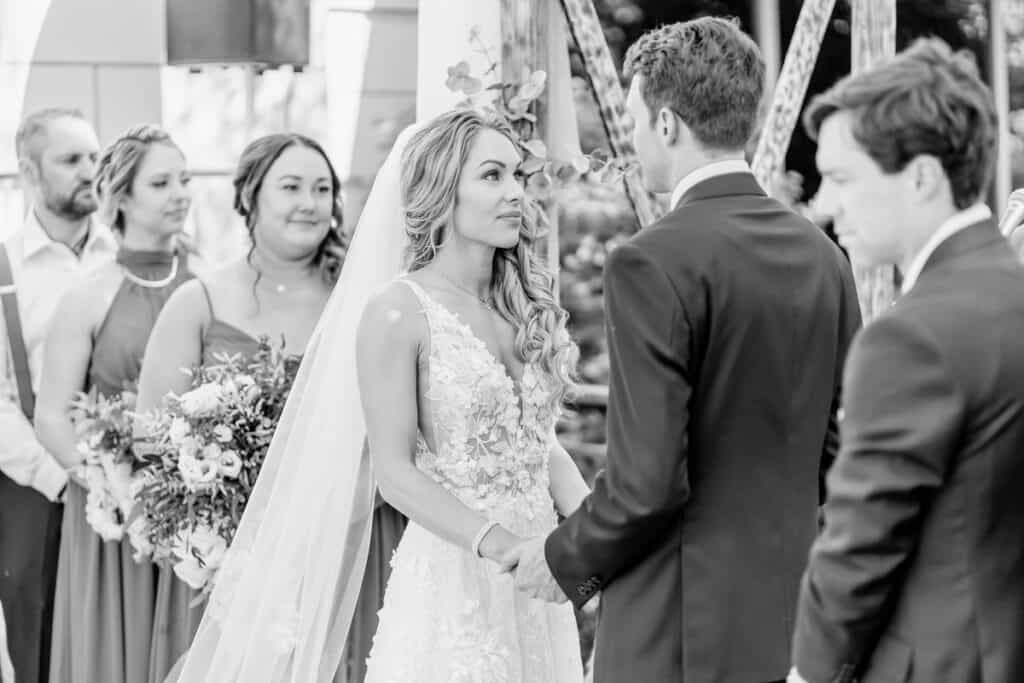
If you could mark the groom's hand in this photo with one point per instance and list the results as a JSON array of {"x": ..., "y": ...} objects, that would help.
[{"x": 532, "y": 575}]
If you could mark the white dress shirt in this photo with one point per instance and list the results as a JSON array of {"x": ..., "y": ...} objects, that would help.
[
  {"x": 44, "y": 270},
  {"x": 712, "y": 170},
  {"x": 954, "y": 224}
]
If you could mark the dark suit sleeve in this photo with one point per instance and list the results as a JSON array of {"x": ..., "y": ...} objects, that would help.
[
  {"x": 637, "y": 499},
  {"x": 902, "y": 417},
  {"x": 849, "y": 324}
]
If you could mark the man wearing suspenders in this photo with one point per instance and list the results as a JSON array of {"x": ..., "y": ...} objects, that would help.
[{"x": 57, "y": 152}]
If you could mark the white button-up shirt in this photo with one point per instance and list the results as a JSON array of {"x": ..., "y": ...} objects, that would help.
[
  {"x": 44, "y": 270},
  {"x": 712, "y": 170},
  {"x": 954, "y": 224}
]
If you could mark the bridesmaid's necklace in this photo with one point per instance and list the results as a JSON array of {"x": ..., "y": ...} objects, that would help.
[
  {"x": 487, "y": 302},
  {"x": 153, "y": 284}
]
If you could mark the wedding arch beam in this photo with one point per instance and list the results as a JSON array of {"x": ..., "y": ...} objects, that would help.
[
  {"x": 586, "y": 31},
  {"x": 790, "y": 89},
  {"x": 873, "y": 38}
]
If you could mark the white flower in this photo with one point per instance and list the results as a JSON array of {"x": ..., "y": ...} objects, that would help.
[
  {"x": 209, "y": 546},
  {"x": 230, "y": 464},
  {"x": 202, "y": 400},
  {"x": 211, "y": 452},
  {"x": 252, "y": 394},
  {"x": 84, "y": 450},
  {"x": 119, "y": 482},
  {"x": 138, "y": 536},
  {"x": 244, "y": 380},
  {"x": 93, "y": 475},
  {"x": 223, "y": 433},
  {"x": 229, "y": 388},
  {"x": 196, "y": 473},
  {"x": 189, "y": 448},
  {"x": 190, "y": 571},
  {"x": 102, "y": 519},
  {"x": 178, "y": 430}
]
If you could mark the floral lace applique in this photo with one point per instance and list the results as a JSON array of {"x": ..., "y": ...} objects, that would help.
[{"x": 448, "y": 615}]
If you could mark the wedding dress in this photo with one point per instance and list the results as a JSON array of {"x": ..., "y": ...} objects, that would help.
[{"x": 448, "y": 615}]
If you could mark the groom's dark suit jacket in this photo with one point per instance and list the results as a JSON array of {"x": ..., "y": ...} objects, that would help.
[
  {"x": 919, "y": 572},
  {"x": 728, "y": 323}
]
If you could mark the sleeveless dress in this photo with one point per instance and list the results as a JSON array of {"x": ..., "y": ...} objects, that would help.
[
  {"x": 448, "y": 615},
  {"x": 178, "y": 621},
  {"x": 177, "y": 618},
  {"x": 103, "y": 609}
]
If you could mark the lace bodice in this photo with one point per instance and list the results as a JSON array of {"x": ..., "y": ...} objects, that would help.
[{"x": 493, "y": 438}]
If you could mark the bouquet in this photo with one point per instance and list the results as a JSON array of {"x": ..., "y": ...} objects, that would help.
[
  {"x": 103, "y": 427},
  {"x": 201, "y": 457}
]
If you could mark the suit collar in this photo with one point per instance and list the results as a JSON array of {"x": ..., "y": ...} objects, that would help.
[
  {"x": 705, "y": 172},
  {"x": 977, "y": 237},
  {"x": 727, "y": 185}
]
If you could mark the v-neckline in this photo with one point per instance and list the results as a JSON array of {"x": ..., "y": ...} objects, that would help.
[{"x": 467, "y": 329}]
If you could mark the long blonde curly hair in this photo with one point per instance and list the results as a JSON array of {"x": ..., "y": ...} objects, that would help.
[{"x": 521, "y": 284}]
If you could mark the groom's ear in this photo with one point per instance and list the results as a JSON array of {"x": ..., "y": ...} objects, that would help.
[{"x": 669, "y": 127}]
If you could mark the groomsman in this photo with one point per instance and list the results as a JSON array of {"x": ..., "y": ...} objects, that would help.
[
  {"x": 57, "y": 151},
  {"x": 918, "y": 574}
]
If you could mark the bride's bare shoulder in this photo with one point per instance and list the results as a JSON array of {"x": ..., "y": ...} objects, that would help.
[{"x": 393, "y": 313}]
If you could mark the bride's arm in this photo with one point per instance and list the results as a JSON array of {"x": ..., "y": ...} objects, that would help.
[
  {"x": 387, "y": 348},
  {"x": 567, "y": 486}
]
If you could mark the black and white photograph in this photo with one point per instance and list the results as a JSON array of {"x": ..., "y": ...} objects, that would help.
[{"x": 511, "y": 341}]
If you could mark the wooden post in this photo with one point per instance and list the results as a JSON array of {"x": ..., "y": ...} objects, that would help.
[
  {"x": 999, "y": 80},
  {"x": 524, "y": 46},
  {"x": 788, "y": 97},
  {"x": 873, "y": 38},
  {"x": 525, "y": 39},
  {"x": 769, "y": 39}
]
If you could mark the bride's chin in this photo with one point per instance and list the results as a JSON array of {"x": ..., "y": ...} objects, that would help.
[{"x": 507, "y": 242}]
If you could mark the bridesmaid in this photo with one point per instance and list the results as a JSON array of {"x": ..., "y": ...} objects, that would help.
[
  {"x": 103, "y": 613},
  {"x": 289, "y": 195}
]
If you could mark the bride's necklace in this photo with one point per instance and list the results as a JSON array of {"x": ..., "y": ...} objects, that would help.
[
  {"x": 153, "y": 284},
  {"x": 278, "y": 287},
  {"x": 486, "y": 302}
]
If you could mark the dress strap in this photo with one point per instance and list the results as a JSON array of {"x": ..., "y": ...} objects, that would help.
[
  {"x": 420, "y": 293},
  {"x": 206, "y": 295},
  {"x": 427, "y": 304}
]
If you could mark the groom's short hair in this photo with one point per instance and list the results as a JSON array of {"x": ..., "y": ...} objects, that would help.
[
  {"x": 927, "y": 100},
  {"x": 708, "y": 71}
]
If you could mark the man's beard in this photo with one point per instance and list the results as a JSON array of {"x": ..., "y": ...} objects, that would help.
[{"x": 78, "y": 205}]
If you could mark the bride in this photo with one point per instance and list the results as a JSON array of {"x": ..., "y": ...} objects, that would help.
[{"x": 438, "y": 370}]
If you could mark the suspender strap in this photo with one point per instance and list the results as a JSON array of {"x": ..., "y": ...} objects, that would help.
[{"x": 15, "y": 338}]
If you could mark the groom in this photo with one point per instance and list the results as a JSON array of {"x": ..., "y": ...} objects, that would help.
[{"x": 728, "y": 322}]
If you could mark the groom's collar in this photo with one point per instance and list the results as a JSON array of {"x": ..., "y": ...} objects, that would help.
[{"x": 719, "y": 178}]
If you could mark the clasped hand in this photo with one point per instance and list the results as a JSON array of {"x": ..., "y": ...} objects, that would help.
[{"x": 526, "y": 563}]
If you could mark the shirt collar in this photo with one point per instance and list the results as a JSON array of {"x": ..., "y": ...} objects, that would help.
[
  {"x": 37, "y": 239},
  {"x": 715, "y": 168},
  {"x": 951, "y": 226}
]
